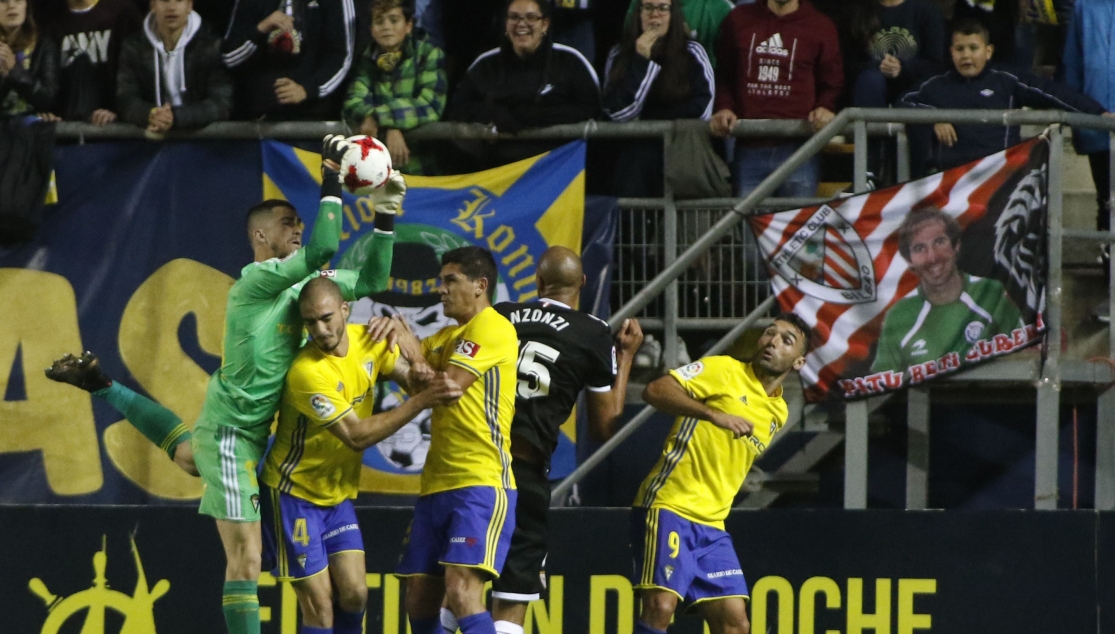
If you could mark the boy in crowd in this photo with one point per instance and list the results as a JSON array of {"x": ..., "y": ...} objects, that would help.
[{"x": 973, "y": 85}]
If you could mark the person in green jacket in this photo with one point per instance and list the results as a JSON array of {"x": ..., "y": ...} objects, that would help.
[{"x": 400, "y": 83}]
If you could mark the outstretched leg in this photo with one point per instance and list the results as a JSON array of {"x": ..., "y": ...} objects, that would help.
[{"x": 160, "y": 425}]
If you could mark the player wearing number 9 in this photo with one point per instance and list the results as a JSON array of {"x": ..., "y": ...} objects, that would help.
[
  {"x": 561, "y": 352},
  {"x": 727, "y": 412}
]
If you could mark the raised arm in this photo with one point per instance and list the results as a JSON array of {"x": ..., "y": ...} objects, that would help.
[
  {"x": 605, "y": 407},
  {"x": 272, "y": 277},
  {"x": 667, "y": 395},
  {"x": 360, "y": 433}
]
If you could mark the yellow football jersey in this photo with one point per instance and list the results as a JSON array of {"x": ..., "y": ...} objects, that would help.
[
  {"x": 703, "y": 466},
  {"x": 470, "y": 440},
  {"x": 306, "y": 459}
]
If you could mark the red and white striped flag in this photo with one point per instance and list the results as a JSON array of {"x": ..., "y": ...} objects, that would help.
[{"x": 898, "y": 293}]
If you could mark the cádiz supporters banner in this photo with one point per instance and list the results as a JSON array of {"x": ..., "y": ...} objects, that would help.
[
  {"x": 516, "y": 211},
  {"x": 919, "y": 280},
  {"x": 135, "y": 262}
]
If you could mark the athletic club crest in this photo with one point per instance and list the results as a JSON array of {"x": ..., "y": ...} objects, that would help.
[{"x": 828, "y": 260}]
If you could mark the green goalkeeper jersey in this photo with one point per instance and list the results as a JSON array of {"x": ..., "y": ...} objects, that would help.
[
  {"x": 263, "y": 325},
  {"x": 915, "y": 331}
]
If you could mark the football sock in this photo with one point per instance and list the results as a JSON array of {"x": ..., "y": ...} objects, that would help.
[
  {"x": 347, "y": 622},
  {"x": 431, "y": 625},
  {"x": 643, "y": 628},
  {"x": 507, "y": 627},
  {"x": 241, "y": 607},
  {"x": 479, "y": 623},
  {"x": 449, "y": 621},
  {"x": 306, "y": 629},
  {"x": 160, "y": 425}
]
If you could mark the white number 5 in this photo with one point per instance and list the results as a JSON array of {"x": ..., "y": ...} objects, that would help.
[{"x": 534, "y": 378}]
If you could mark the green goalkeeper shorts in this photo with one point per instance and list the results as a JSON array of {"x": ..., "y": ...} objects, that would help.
[{"x": 227, "y": 457}]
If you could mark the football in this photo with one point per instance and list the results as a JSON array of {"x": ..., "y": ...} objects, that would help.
[{"x": 365, "y": 166}]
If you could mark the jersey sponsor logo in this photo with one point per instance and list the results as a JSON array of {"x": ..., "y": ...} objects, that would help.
[
  {"x": 328, "y": 273},
  {"x": 467, "y": 541},
  {"x": 987, "y": 92},
  {"x": 467, "y": 348},
  {"x": 322, "y": 406},
  {"x": 918, "y": 348},
  {"x": 826, "y": 258},
  {"x": 772, "y": 46},
  {"x": 973, "y": 331}
]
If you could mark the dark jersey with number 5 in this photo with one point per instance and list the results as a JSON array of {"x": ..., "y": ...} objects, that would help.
[{"x": 561, "y": 351}]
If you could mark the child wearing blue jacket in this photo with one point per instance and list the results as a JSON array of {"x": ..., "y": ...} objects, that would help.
[{"x": 973, "y": 85}]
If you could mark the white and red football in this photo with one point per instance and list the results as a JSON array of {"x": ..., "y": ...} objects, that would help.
[{"x": 365, "y": 166}]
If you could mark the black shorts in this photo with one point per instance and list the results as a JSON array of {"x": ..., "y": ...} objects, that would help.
[{"x": 523, "y": 577}]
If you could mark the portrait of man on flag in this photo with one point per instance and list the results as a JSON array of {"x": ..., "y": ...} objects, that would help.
[
  {"x": 914, "y": 282},
  {"x": 950, "y": 310}
]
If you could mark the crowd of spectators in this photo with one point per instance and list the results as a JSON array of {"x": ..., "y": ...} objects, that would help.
[{"x": 518, "y": 64}]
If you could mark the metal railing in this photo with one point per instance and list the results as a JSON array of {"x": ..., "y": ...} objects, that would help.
[{"x": 708, "y": 240}]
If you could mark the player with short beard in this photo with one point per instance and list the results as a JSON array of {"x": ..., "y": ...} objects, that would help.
[
  {"x": 312, "y": 471},
  {"x": 727, "y": 412}
]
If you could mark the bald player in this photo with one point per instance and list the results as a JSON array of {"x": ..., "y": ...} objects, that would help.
[
  {"x": 561, "y": 352},
  {"x": 312, "y": 470}
]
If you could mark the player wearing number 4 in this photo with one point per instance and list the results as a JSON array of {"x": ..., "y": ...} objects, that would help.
[
  {"x": 312, "y": 471},
  {"x": 727, "y": 412},
  {"x": 465, "y": 512}
]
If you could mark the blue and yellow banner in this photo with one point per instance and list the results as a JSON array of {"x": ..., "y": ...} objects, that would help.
[
  {"x": 135, "y": 260},
  {"x": 516, "y": 211}
]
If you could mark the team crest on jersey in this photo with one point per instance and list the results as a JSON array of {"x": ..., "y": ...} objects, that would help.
[
  {"x": 466, "y": 348},
  {"x": 321, "y": 405},
  {"x": 669, "y": 572},
  {"x": 255, "y": 501},
  {"x": 692, "y": 370},
  {"x": 973, "y": 331},
  {"x": 826, "y": 258},
  {"x": 370, "y": 367},
  {"x": 301, "y": 561}
]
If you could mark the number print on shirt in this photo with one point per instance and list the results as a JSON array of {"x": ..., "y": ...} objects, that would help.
[{"x": 534, "y": 377}]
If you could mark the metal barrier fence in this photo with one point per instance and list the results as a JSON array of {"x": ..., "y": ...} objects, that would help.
[{"x": 681, "y": 266}]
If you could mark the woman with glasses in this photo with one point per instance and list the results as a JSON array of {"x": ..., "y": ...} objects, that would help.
[
  {"x": 28, "y": 63},
  {"x": 656, "y": 73},
  {"x": 527, "y": 82}
]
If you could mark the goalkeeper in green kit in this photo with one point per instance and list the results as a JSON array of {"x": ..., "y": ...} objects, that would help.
[{"x": 263, "y": 332}]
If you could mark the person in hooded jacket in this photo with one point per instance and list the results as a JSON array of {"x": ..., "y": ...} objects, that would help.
[{"x": 171, "y": 75}]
